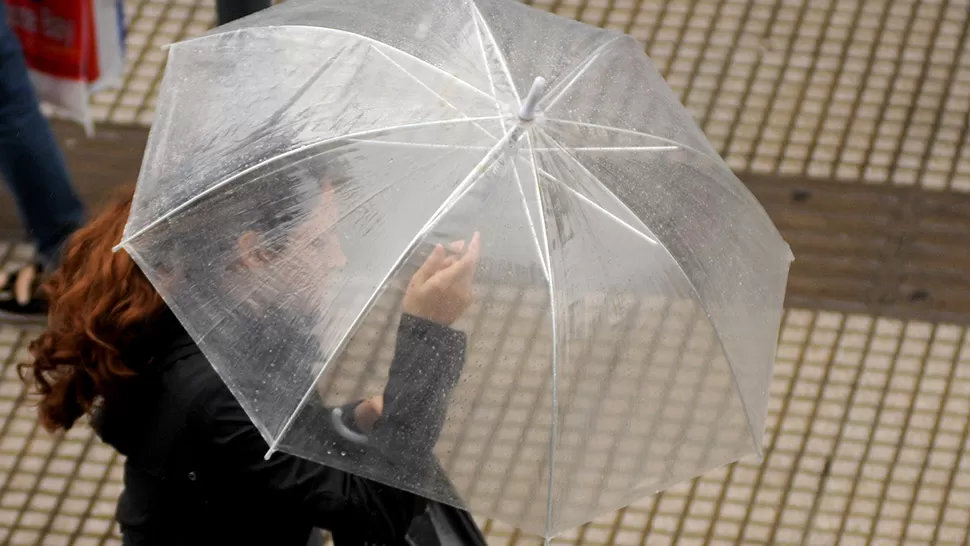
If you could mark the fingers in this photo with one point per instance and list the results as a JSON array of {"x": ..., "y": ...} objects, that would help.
[
  {"x": 472, "y": 256},
  {"x": 368, "y": 412},
  {"x": 474, "y": 248},
  {"x": 430, "y": 265},
  {"x": 441, "y": 289},
  {"x": 462, "y": 270},
  {"x": 377, "y": 403},
  {"x": 459, "y": 247},
  {"x": 439, "y": 259}
]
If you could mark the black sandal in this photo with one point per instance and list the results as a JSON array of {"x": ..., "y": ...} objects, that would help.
[{"x": 14, "y": 309}]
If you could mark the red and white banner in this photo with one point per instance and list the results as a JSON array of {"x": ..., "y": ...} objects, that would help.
[{"x": 72, "y": 48}]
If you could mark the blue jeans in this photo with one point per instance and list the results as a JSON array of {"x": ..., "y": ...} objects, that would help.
[
  {"x": 230, "y": 10},
  {"x": 30, "y": 162}
]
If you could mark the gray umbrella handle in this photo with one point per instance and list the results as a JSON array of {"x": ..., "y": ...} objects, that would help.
[{"x": 337, "y": 417}]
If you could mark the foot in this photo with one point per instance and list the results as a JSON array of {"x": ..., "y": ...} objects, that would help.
[{"x": 21, "y": 297}]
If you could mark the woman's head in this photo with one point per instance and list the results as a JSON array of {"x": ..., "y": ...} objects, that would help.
[
  {"x": 105, "y": 313},
  {"x": 102, "y": 311}
]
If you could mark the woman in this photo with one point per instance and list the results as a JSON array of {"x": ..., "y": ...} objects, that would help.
[{"x": 195, "y": 471}]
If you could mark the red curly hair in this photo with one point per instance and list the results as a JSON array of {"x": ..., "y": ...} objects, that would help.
[{"x": 102, "y": 311}]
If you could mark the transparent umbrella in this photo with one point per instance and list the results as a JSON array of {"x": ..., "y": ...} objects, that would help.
[{"x": 629, "y": 288}]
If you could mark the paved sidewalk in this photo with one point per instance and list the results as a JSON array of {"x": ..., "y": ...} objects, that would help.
[
  {"x": 865, "y": 91},
  {"x": 867, "y": 442},
  {"x": 849, "y": 120}
]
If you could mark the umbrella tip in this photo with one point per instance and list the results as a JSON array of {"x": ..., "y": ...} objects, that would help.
[{"x": 527, "y": 112}]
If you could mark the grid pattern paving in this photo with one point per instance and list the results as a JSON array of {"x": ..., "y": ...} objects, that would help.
[
  {"x": 865, "y": 90},
  {"x": 867, "y": 443},
  {"x": 867, "y": 439}
]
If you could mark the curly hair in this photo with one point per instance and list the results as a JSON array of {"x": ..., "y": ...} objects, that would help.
[
  {"x": 105, "y": 313},
  {"x": 102, "y": 310}
]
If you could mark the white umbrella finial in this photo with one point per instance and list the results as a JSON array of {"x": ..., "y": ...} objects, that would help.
[{"x": 528, "y": 110}]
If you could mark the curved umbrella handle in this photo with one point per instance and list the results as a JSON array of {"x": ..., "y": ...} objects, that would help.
[{"x": 337, "y": 417}]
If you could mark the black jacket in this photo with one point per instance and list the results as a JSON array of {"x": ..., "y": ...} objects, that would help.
[{"x": 195, "y": 471}]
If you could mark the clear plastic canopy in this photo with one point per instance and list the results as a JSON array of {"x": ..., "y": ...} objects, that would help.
[{"x": 629, "y": 290}]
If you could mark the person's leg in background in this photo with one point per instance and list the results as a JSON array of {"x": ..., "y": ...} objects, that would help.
[
  {"x": 33, "y": 169},
  {"x": 316, "y": 538},
  {"x": 230, "y": 10}
]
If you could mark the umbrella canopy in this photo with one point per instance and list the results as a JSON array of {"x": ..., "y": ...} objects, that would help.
[{"x": 629, "y": 288}]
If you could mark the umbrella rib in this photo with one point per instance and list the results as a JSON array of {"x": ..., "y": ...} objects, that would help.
[
  {"x": 465, "y": 147},
  {"x": 542, "y": 215},
  {"x": 488, "y": 71},
  {"x": 618, "y": 130},
  {"x": 466, "y": 184},
  {"x": 554, "y": 409},
  {"x": 600, "y": 209},
  {"x": 543, "y": 260},
  {"x": 460, "y": 190},
  {"x": 738, "y": 191},
  {"x": 350, "y": 136},
  {"x": 578, "y": 72},
  {"x": 482, "y": 25},
  {"x": 300, "y": 93},
  {"x": 297, "y": 252},
  {"x": 359, "y": 37},
  {"x": 615, "y": 148},
  {"x": 544, "y": 249},
  {"x": 697, "y": 295},
  {"x": 341, "y": 345},
  {"x": 642, "y": 233},
  {"x": 421, "y": 144},
  {"x": 435, "y": 93}
]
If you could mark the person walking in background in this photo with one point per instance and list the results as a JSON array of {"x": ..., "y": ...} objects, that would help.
[
  {"x": 34, "y": 171},
  {"x": 230, "y": 10}
]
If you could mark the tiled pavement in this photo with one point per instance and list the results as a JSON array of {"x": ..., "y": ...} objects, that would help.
[
  {"x": 867, "y": 443},
  {"x": 868, "y": 428},
  {"x": 875, "y": 91}
]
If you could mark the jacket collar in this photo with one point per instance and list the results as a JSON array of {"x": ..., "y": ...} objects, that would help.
[{"x": 174, "y": 342}]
